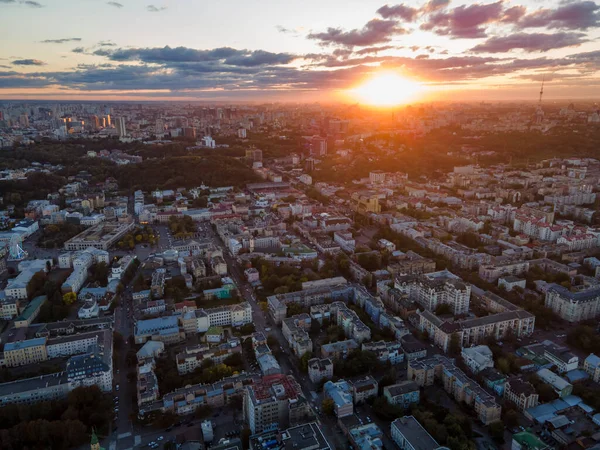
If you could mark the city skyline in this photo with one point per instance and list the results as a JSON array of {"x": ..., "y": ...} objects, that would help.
[{"x": 340, "y": 51}]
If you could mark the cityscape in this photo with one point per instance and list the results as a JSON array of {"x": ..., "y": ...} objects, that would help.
[{"x": 377, "y": 234}]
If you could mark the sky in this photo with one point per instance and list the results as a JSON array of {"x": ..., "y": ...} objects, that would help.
[{"x": 291, "y": 50}]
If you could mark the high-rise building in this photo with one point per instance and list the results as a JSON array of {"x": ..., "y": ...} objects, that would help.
[
  {"x": 160, "y": 126},
  {"x": 120, "y": 126},
  {"x": 94, "y": 122},
  {"x": 189, "y": 132},
  {"x": 24, "y": 120},
  {"x": 318, "y": 146}
]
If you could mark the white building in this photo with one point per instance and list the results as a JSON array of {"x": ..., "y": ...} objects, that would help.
[
  {"x": 89, "y": 310},
  {"x": 478, "y": 358}
]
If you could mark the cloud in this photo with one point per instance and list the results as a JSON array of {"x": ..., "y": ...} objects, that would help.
[
  {"x": 376, "y": 31},
  {"x": 28, "y": 62},
  {"x": 435, "y": 5},
  {"x": 377, "y": 49},
  {"x": 534, "y": 42},
  {"x": 106, "y": 44},
  {"x": 60, "y": 41},
  {"x": 115, "y": 4},
  {"x": 79, "y": 50},
  {"x": 32, "y": 4},
  {"x": 464, "y": 21},
  {"x": 578, "y": 15},
  {"x": 29, "y": 3},
  {"x": 400, "y": 11},
  {"x": 169, "y": 55},
  {"x": 2, "y": 65},
  {"x": 152, "y": 8}
]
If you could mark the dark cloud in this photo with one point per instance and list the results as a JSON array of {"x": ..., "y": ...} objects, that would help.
[
  {"x": 28, "y": 62},
  {"x": 106, "y": 44},
  {"x": 153, "y": 8},
  {"x": 60, "y": 41},
  {"x": 78, "y": 50},
  {"x": 578, "y": 15},
  {"x": 32, "y": 4},
  {"x": 228, "y": 55},
  {"x": 464, "y": 21},
  {"x": 29, "y": 3},
  {"x": 101, "y": 52},
  {"x": 400, "y": 11},
  {"x": 534, "y": 42},
  {"x": 376, "y": 31},
  {"x": 115, "y": 4}
]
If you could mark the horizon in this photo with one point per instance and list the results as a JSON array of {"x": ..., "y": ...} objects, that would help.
[{"x": 434, "y": 50}]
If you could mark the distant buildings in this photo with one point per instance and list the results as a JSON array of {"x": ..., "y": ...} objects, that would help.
[{"x": 320, "y": 369}]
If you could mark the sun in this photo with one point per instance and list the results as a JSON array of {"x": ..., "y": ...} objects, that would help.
[{"x": 387, "y": 89}]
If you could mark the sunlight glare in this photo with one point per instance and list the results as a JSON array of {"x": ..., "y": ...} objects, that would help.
[{"x": 387, "y": 89}]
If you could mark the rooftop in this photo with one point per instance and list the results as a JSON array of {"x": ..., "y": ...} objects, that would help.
[{"x": 414, "y": 433}]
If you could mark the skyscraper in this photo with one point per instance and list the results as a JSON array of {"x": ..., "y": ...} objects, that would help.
[{"x": 120, "y": 126}]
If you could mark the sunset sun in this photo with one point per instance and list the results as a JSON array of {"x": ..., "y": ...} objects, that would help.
[{"x": 387, "y": 89}]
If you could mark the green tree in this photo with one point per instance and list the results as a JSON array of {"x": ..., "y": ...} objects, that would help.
[
  {"x": 304, "y": 361},
  {"x": 69, "y": 298},
  {"x": 328, "y": 407}
]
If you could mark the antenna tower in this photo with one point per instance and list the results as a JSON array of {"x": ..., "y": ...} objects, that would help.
[{"x": 542, "y": 90}]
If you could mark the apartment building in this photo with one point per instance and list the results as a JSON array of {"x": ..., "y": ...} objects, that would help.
[
  {"x": 193, "y": 357},
  {"x": 402, "y": 394},
  {"x": 30, "y": 312},
  {"x": 295, "y": 331},
  {"x": 341, "y": 394},
  {"x": 434, "y": 289},
  {"x": 157, "y": 285},
  {"x": 424, "y": 371},
  {"x": 478, "y": 358},
  {"x": 35, "y": 390},
  {"x": 591, "y": 365},
  {"x": 363, "y": 389},
  {"x": 69, "y": 345},
  {"x": 491, "y": 272},
  {"x": 165, "y": 329},
  {"x": 573, "y": 306},
  {"x": 93, "y": 368},
  {"x": 409, "y": 434},
  {"x": 275, "y": 402},
  {"x": 473, "y": 331},
  {"x": 386, "y": 351},
  {"x": 339, "y": 349},
  {"x": 320, "y": 369},
  {"x": 186, "y": 400},
  {"x": 521, "y": 393},
  {"x": 29, "y": 351}
]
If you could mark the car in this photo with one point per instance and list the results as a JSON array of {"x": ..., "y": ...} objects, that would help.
[{"x": 160, "y": 438}]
